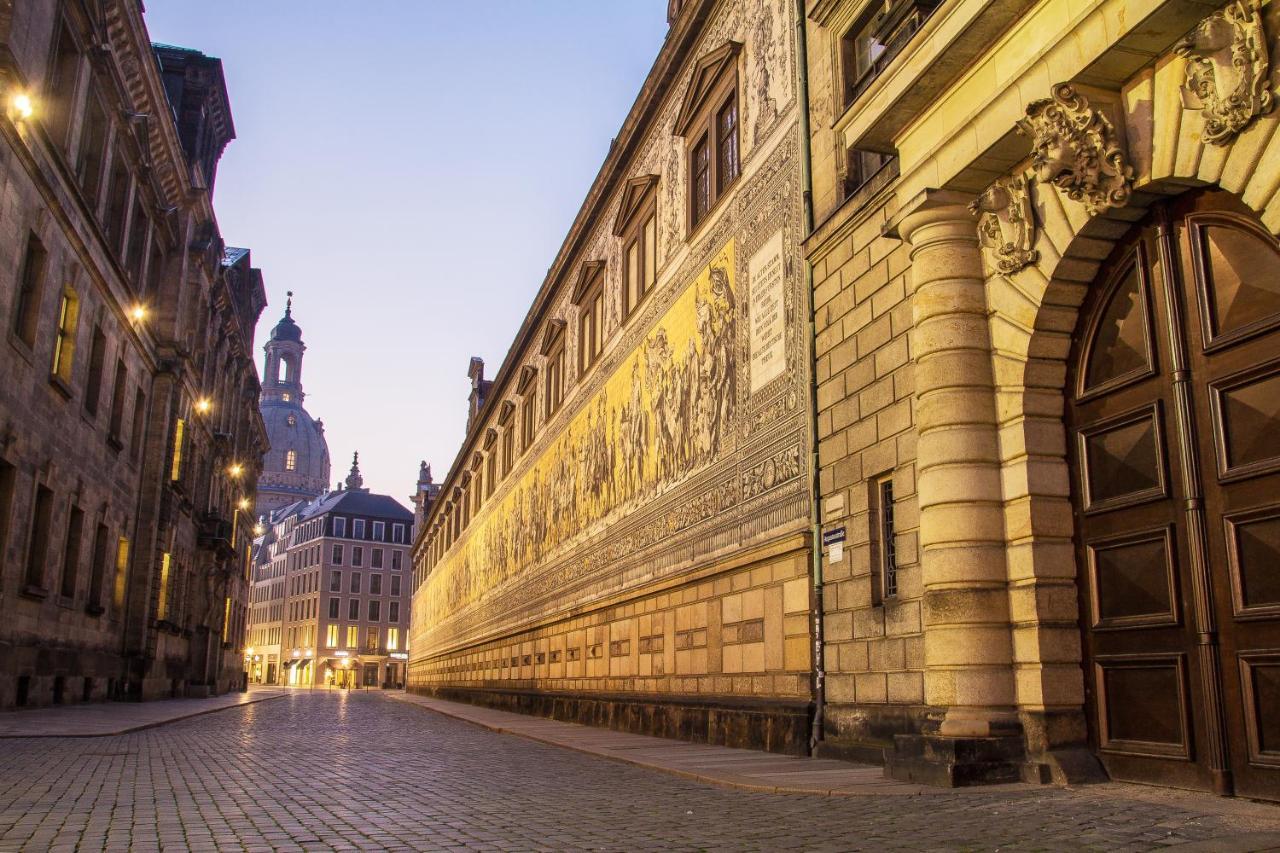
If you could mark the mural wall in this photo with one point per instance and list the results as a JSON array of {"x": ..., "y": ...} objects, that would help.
[{"x": 687, "y": 441}]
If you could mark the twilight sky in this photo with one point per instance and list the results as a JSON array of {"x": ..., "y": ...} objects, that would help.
[{"x": 409, "y": 168}]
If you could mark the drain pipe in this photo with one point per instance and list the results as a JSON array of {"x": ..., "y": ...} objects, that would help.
[{"x": 819, "y": 676}]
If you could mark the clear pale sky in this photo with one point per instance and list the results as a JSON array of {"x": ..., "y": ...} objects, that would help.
[{"x": 409, "y": 168}]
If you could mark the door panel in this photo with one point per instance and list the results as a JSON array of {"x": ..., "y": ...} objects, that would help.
[{"x": 1176, "y": 477}]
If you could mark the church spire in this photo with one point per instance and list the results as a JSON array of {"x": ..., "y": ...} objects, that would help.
[{"x": 354, "y": 480}]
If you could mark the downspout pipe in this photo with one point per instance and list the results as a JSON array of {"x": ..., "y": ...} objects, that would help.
[{"x": 819, "y": 675}]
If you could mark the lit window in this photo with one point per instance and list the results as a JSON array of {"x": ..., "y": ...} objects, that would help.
[
  {"x": 331, "y": 637},
  {"x": 291, "y": 460},
  {"x": 64, "y": 344},
  {"x": 162, "y": 606},
  {"x": 175, "y": 469},
  {"x": 286, "y": 396},
  {"x": 393, "y": 639},
  {"x": 122, "y": 569},
  {"x": 353, "y": 636}
]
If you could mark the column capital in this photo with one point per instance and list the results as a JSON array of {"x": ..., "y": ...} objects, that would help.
[{"x": 933, "y": 207}]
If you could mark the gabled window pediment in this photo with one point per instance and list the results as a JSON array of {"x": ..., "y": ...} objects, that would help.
[
  {"x": 527, "y": 374},
  {"x": 635, "y": 195},
  {"x": 587, "y": 277},
  {"x": 505, "y": 412},
  {"x": 707, "y": 74},
  {"x": 490, "y": 436},
  {"x": 552, "y": 336}
]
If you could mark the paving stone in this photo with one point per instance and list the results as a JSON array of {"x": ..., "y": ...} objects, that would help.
[{"x": 317, "y": 771}]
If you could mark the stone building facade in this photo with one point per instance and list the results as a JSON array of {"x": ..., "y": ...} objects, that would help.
[
  {"x": 129, "y": 434},
  {"x": 296, "y": 467},
  {"x": 1047, "y": 312},
  {"x": 625, "y": 534},
  {"x": 331, "y": 591}
]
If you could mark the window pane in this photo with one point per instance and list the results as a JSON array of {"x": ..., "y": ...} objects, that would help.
[
  {"x": 701, "y": 179},
  {"x": 634, "y": 288},
  {"x": 727, "y": 139},
  {"x": 650, "y": 253}
]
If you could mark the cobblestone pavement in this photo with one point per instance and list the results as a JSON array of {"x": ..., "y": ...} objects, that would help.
[{"x": 359, "y": 771}]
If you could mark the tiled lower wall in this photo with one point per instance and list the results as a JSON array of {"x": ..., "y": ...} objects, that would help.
[{"x": 735, "y": 639}]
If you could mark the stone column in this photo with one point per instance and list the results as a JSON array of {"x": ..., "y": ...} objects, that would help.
[{"x": 972, "y": 734}]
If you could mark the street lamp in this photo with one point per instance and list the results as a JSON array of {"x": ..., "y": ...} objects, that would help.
[
  {"x": 236, "y": 469},
  {"x": 138, "y": 313},
  {"x": 203, "y": 405},
  {"x": 23, "y": 105}
]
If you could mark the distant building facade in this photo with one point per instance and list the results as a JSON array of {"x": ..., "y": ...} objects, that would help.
[
  {"x": 625, "y": 533},
  {"x": 297, "y": 465},
  {"x": 331, "y": 591},
  {"x": 129, "y": 433}
]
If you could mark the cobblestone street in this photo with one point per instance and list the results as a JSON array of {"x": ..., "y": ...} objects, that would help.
[{"x": 330, "y": 771}]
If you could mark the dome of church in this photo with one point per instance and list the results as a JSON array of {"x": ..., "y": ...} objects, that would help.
[
  {"x": 296, "y": 467},
  {"x": 286, "y": 329}
]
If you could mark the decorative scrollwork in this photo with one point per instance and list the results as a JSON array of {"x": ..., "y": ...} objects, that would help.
[
  {"x": 1075, "y": 148},
  {"x": 1006, "y": 225},
  {"x": 1227, "y": 70}
]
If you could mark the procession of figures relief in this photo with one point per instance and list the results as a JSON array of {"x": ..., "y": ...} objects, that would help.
[
  {"x": 653, "y": 473},
  {"x": 1080, "y": 149}
]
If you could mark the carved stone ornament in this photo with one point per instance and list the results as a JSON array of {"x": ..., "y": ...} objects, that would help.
[
  {"x": 1006, "y": 226},
  {"x": 1075, "y": 148},
  {"x": 1228, "y": 73}
]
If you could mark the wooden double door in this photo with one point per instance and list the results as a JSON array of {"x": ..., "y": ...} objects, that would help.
[{"x": 1174, "y": 446}]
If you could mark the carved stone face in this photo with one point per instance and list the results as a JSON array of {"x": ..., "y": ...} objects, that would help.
[{"x": 1052, "y": 159}]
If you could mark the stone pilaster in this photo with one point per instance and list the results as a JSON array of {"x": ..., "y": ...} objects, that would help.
[{"x": 972, "y": 734}]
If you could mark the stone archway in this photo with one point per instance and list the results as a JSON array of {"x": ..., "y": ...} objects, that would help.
[{"x": 1032, "y": 313}]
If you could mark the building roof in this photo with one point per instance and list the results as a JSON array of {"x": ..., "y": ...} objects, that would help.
[{"x": 358, "y": 502}]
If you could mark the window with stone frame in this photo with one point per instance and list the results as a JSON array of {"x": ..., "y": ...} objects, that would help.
[
  {"x": 26, "y": 310},
  {"x": 528, "y": 391},
  {"x": 588, "y": 296},
  {"x": 553, "y": 346},
  {"x": 709, "y": 122},
  {"x": 97, "y": 364},
  {"x": 636, "y": 226},
  {"x": 875, "y": 38},
  {"x": 115, "y": 421},
  {"x": 490, "y": 469},
  {"x": 506, "y": 426},
  {"x": 93, "y": 147},
  {"x": 64, "y": 340},
  {"x": 64, "y": 74}
]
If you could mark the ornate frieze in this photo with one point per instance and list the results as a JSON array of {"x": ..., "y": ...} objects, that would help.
[
  {"x": 1076, "y": 148},
  {"x": 1006, "y": 225},
  {"x": 1228, "y": 70}
]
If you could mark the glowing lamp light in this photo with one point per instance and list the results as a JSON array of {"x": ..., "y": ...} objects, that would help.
[
  {"x": 243, "y": 504},
  {"x": 236, "y": 470},
  {"x": 258, "y": 530},
  {"x": 249, "y": 651},
  {"x": 23, "y": 105},
  {"x": 138, "y": 313},
  {"x": 203, "y": 405}
]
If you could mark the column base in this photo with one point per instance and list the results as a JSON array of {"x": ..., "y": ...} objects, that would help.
[{"x": 953, "y": 762}]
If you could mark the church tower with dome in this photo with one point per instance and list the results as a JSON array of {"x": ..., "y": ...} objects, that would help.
[{"x": 297, "y": 465}]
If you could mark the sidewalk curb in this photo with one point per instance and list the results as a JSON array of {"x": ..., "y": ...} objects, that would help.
[
  {"x": 721, "y": 781},
  {"x": 152, "y": 725}
]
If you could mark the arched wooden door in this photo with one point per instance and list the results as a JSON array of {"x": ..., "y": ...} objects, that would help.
[{"x": 1174, "y": 445}]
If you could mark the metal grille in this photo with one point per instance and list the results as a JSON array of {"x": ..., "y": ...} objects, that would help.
[{"x": 888, "y": 547}]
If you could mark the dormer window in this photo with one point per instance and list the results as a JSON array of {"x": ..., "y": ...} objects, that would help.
[
  {"x": 589, "y": 297},
  {"x": 708, "y": 120},
  {"x": 291, "y": 460},
  {"x": 286, "y": 396}
]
